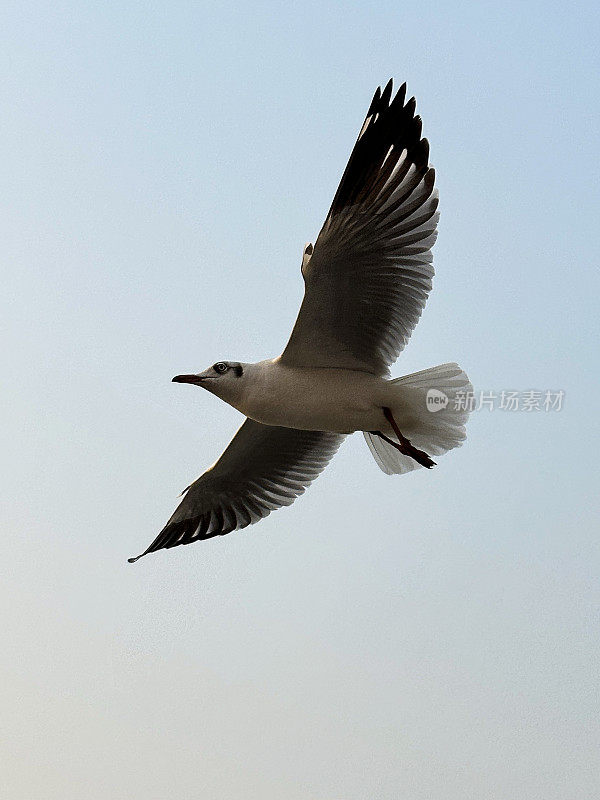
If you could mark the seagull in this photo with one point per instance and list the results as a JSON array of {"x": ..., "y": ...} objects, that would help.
[{"x": 366, "y": 281}]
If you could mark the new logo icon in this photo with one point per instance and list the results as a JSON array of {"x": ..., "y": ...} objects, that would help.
[{"x": 436, "y": 400}]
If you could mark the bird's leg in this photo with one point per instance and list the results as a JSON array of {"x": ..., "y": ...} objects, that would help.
[
  {"x": 403, "y": 449},
  {"x": 403, "y": 444}
]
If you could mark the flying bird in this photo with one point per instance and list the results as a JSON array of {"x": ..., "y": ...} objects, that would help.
[{"x": 366, "y": 281}]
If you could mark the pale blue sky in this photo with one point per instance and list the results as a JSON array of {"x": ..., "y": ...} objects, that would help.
[{"x": 428, "y": 636}]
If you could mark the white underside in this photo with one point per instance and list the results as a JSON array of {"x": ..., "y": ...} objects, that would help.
[
  {"x": 338, "y": 400},
  {"x": 344, "y": 401}
]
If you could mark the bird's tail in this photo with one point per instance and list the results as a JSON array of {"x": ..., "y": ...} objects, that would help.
[{"x": 432, "y": 409}]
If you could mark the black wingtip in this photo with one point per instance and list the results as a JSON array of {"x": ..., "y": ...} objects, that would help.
[
  {"x": 374, "y": 101},
  {"x": 134, "y": 559},
  {"x": 398, "y": 101},
  {"x": 387, "y": 93}
]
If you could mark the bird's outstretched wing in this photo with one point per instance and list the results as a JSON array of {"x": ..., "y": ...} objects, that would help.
[
  {"x": 368, "y": 277},
  {"x": 263, "y": 468}
]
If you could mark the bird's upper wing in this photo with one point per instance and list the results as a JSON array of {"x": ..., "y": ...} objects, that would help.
[
  {"x": 368, "y": 277},
  {"x": 263, "y": 468}
]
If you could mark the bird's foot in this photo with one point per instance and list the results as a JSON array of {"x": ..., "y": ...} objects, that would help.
[
  {"x": 403, "y": 444},
  {"x": 420, "y": 456}
]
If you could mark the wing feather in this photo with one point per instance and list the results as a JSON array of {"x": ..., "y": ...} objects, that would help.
[
  {"x": 369, "y": 274},
  {"x": 262, "y": 469}
]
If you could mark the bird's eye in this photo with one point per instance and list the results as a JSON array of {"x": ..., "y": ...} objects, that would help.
[{"x": 220, "y": 367}]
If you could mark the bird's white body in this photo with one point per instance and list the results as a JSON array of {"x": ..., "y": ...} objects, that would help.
[{"x": 308, "y": 398}]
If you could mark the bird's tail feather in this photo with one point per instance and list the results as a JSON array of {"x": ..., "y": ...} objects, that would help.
[{"x": 432, "y": 410}]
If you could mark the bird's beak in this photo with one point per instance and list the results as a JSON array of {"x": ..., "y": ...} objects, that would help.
[{"x": 195, "y": 379}]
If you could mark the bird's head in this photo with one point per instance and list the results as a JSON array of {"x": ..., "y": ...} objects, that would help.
[{"x": 225, "y": 379}]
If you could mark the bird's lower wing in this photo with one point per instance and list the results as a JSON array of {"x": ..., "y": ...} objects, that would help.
[
  {"x": 263, "y": 468},
  {"x": 368, "y": 277}
]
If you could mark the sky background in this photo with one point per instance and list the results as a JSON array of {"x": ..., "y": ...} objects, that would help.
[{"x": 431, "y": 637}]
